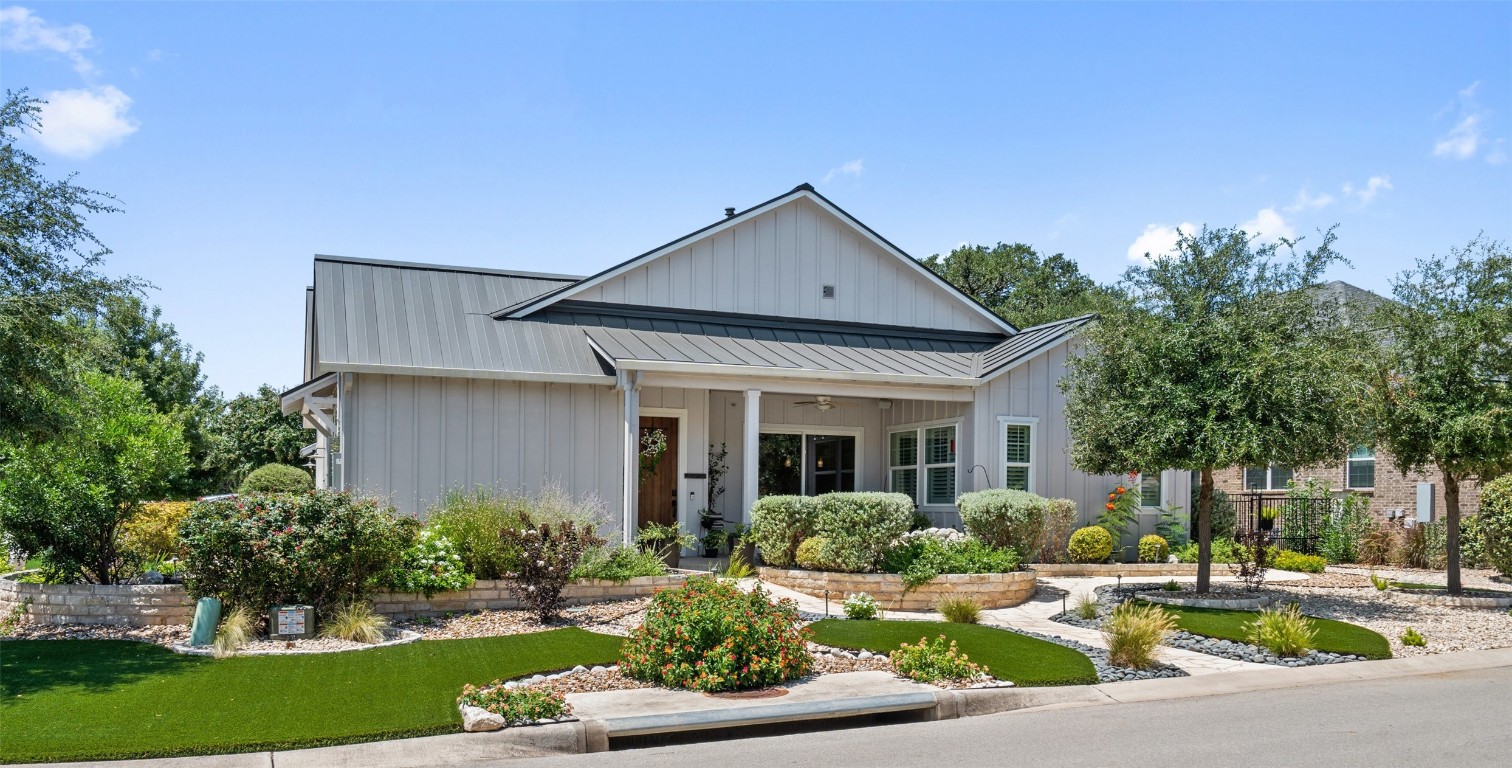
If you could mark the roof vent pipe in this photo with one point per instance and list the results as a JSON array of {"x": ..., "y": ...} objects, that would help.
[{"x": 729, "y": 213}]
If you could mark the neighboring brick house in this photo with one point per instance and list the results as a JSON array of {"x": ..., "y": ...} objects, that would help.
[{"x": 1366, "y": 471}]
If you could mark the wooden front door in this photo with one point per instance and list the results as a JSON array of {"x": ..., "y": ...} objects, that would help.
[{"x": 657, "y": 500}]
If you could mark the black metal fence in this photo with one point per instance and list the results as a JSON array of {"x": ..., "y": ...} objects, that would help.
[{"x": 1294, "y": 523}]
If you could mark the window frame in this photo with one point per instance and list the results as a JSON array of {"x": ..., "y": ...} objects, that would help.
[
  {"x": 1003, "y": 422},
  {"x": 1270, "y": 480},
  {"x": 805, "y": 430},
  {"x": 1350, "y": 461},
  {"x": 919, "y": 467}
]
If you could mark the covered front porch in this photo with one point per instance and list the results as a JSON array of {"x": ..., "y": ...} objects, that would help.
[{"x": 720, "y": 445}]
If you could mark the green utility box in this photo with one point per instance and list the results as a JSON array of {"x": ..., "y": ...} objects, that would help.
[{"x": 291, "y": 622}]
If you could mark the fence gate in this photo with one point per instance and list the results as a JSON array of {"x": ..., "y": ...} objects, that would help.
[{"x": 1293, "y": 523}]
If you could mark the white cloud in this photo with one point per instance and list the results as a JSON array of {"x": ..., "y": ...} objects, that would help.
[
  {"x": 1366, "y": 194},
  {"x": 81, "y": 122},
  {"x": 24, "y": 31},
  {"x": 1268, "y": 226},
  {"x": 1307, "y": 201},
  {"x": 1497, "y": 154},
  {"x": 852, "y": 168},
  {"x": 1158, "y": 240},
  {"x": 1468, "y": 136}
]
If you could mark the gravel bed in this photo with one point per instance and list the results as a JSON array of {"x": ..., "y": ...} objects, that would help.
[
  {"x": 613, "y": 617},
  {"x": 268, "y": 647},
  {"x": 166, "y": 636},
  {"x": 1106, "y": 671}
]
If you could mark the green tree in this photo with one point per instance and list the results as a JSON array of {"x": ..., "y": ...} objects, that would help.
[
  {"x": 1223, "y": 358},
  {"x": 1019, "y": 284},
  {"x": 49, "y": 262},
  {"x": 1442, "y": 394},
  {"x": 253, "y": 431},
  {"x": 66, "y": 498}
]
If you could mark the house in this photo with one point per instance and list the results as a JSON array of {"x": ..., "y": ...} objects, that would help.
[
  {"x": 816, "y": 353},
  {"x": 1365, "y": 470}
]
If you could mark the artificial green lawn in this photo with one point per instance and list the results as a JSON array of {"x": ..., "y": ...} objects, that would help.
[
  {"x": 1007, "y": 655},
  {"x": 1333, "y": 636},
  {"x": 100, "y": 699}
]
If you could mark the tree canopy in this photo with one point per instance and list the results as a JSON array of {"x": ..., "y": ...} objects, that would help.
[
  {"x": 1442, "y": 394},
  {"x": 1019, "y": 284},
  {"x": 1222, "y": 357},
  {"x": 253, "y": 431}
]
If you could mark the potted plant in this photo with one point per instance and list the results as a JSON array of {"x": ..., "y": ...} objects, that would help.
[
  {"x": 739, "y": 542},
  {"x": 668, "y": 541},
  {"x": 713, "y": 543},
  {"x": 1267, "y": 518},
  {"x": 707, "y": 519}
]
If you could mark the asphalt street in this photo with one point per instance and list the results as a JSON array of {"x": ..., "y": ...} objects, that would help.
[{"x": 1458, "y": 720}]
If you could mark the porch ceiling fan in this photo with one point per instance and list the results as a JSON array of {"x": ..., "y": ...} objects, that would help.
[{"x": 822, "y": 403}]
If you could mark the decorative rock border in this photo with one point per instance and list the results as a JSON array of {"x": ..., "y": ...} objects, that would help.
[
  {"x": 1110, "y": 570},
  {"x": 1191, "y": 601},
  {"x": 146, "y": 605},
  {"x": 1426, "y": 597},
  {"x": 989, "y": 590},
  {"x": 405, "y": 638}
]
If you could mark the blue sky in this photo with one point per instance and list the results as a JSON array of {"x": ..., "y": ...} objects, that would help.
[{"x": 242, "y": 139}]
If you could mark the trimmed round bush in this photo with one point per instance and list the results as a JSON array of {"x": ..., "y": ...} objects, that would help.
[
  {"x": 1153, "y": 549},
  {"x": 1092, "y": 544},
  {"x": 811, "y": 554},
  {"x": 277, "y": 478},
  {"x": 779, "y": 524},
  {"x": 1496, "y": 523},
  {"x": 1004, "y": 517},
  {"x": 858, "y": 528},
  {"x": 709, "y": 635}
]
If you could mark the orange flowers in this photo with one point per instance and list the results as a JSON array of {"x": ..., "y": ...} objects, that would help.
[
  {"x": 1120, "y": 490},
  {"x": 1109, "y": 505}
]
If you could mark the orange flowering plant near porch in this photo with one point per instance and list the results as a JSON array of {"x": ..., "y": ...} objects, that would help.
[
  {"x": 1121, "y": 510},
  {"x": 708, "y": 635}
]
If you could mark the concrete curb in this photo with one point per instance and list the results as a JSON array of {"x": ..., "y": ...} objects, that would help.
[{"x": 593, "y": 735}]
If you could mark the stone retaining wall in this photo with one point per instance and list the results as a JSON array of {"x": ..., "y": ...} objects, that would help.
[
  {"x": 990, "y": 590},
  {"x": 131, "y": 605},
  {"x": 145, "y": 605},
  {"x": 1126, "y": 570}
]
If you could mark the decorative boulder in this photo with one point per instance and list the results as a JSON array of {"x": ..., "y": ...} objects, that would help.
[{"x": 477, "y": 719}]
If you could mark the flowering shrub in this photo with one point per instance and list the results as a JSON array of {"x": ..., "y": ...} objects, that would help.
[
  {"x": 919, "y": 560},
  {"x": 933, "y": 660},
  {"x": 1004, "y": 517},
  {"x": 518, "y": 706},
  {"x": 1121, "y": 509},
  {"x": 548, "y": 553},
  {"x": 322, "y": 548},
  {"x": 708, "y": 635},
  {"x": 429, "y": 566},
  {"x": 861, "y": 606}
]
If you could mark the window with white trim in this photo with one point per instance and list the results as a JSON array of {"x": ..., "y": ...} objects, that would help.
[
  {"x": 1272, "y": 478},
  {"x": 1018, "y": 455},
  {"x": 922, "y": 464},
  {"x": 1149, "y": 489},
  {"x": 1359, "y": 468}
]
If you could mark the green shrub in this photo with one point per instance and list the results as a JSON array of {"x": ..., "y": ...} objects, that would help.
[
  {"x": 1284, "y": 631},
  {"x": 1004, "y": 517},
  {"x": 548, "y": 554},
  {"x": 1090, "y": 545},
  {"x": 709, "y": 635},
  {"x": 1171, "y": 586},
  {"x": 619, "y": 564},
  {"x": 859, "y": 527},
  {"x": 1153, "y": 549},
  {"x": 1381, "y": 583},
  {"x": 1412, "y": 637},
  {"x": 151, "y": 535},
  {"x": 959, "y": 610},
  {"x": 1472, "y": 543},
  {"x": 919, "y": 560},
  {"x": 1224, "y": 521},
  {"x": 323, "y": 548},
  {"x": 1340, "y": 538},
  {"x": 430, "y": 565},
  {"x": 1496, "y": 523},
  {"x": 472, "y": 522},
  {"x": 1287, "y": 560},
  {"x": 355, "y": 622},
  {"x": 1223, "y": 550},
  {"x": 933, "y": 660},
  {"x": 779, "y": 524},
  {"x": 65, "y": 499},
  {"x": 1086, "y": 606},
  {"x": 277, "y": 478},
  {"x": 518, "y": 706},
  {"x": 811, "y": 554},
  {"x": 1060, "y": 521},
  {"x": 1134, "y": 632},
  {"x": 861, "y": 607}
]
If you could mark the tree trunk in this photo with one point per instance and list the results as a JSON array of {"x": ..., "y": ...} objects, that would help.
[
  {"x": 1205, "y": 532},
  {"x": 1452, "y": 537}
]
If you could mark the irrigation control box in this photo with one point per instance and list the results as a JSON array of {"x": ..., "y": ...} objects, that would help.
[{"x": 291, "y": 622}]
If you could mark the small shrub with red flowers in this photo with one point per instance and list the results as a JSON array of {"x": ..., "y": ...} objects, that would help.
[
  {"x": 934, "y": 660},
  {"x": 518, "y": 706},
  {"x": 1121, "y": 509},
  {"x": 708, "y": 635},
  {"x": 322, "y": 548}
]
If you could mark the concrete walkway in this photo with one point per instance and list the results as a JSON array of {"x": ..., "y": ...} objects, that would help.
[{"x": 1034, "y": 616}]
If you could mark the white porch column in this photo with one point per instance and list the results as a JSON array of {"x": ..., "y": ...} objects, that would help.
[
  {"x": 750, "y": 455},
  {"x": 632, "y": 457}
]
